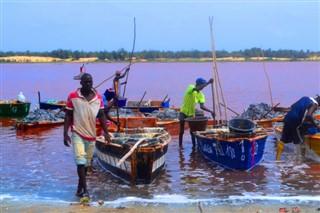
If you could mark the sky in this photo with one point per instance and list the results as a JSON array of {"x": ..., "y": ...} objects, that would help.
[{"x": 165, "y": 25}]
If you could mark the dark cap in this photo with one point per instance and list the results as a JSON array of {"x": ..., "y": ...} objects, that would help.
[{"x": 200, "y": 81}]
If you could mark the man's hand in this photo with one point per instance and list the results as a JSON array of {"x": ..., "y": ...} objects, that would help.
[
  {"x": 127, "y": 70},
  {"x": 118, "y": 124},
  {"x": 213, "y": 114},
  {"x": 211, "y": 80},
  {"x": 107, "y": 138},
  {"x": 67, "y": 140}
]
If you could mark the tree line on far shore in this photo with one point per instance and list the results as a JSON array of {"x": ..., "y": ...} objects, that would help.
[{"x": 122, "y": 55}]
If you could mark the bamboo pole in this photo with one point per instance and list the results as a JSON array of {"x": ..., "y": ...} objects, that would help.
[{"x": 216, "y": 75}]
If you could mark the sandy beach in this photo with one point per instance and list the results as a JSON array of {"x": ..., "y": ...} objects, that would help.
[{"x": 157, "y": 208}]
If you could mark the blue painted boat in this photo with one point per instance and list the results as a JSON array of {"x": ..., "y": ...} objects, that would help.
[
  {"x": 50, "y": 104},
  {"x": 232, "y": 151}
]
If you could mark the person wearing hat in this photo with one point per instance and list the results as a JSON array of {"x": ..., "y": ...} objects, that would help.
[
  {"x": 192, "y": 97},
  {"x": 116, "y": 81},
  {"x": 297, "y": 122}
]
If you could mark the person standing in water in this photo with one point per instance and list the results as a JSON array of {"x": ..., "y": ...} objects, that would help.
[
  {"x": 297, "y": 122},
  {"x": 192, "y": 97},
  {"x": 82, "y": 108}
]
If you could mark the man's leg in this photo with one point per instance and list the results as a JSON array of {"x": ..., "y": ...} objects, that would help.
[
  {"x": 181, "y": 132},
  {"x": 81, "y": 169}
]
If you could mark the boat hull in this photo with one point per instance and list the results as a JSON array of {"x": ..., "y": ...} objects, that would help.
[
  {"x": 235, "y": 154},
  {"x": 50, "y": 106},
  {"x": 143, "y": 166},
  {"x": 14, "y": 110},
  {"x": 24, "y": 126},
  {"x": 313, "y": 147},
  {"x": 137, "y": 156},
  {"x": 312, "y": 144}
]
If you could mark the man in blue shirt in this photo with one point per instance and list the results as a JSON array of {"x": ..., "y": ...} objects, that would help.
[{"x": 297, "y": 121}]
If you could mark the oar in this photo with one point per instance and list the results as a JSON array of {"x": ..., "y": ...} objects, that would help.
[
  {"x": 229, "y": 109},
  {"x": 142, "y": 98},
  {"x": 269, "y": 111},
  {"x": 213, "y": 103},
  {"x": 130, "y": 152}
]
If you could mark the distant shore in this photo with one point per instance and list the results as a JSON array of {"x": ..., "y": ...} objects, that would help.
[{"x": 40, "y": 59}]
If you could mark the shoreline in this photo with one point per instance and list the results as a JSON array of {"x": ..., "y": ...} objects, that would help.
[
  {"x": 147, "y": 208},
  {"x": 40, "y": 59},
  {"x": 94, "y": 207}
]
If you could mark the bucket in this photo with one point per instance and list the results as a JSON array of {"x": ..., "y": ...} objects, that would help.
[
  {"x": 122, "y": 101},
  {"x": 241, "y": 126},
  {"x": 166, "y": 104},
  {"x": 198, "y": 123}
]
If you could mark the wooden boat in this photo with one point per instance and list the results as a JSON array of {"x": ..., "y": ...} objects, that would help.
[
  {"x": 312, "y": 143},
  {"x": 52, "y": 104},
  {"x": 24, "y": 126},
  {"x": 239, "y": 145},
  {"x": 137, "y": 156},
  {"x": 147, "y": 106},
  {"x": 232, "y": 151},
  {"x": 14, "y": 109},
  {"x": 268, "y": 123}
]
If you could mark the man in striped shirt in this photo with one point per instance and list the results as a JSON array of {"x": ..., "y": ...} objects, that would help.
[{"x": 82, "y": 107}]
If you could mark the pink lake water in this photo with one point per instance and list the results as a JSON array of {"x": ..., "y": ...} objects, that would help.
[{"x": 37, "y": 167}]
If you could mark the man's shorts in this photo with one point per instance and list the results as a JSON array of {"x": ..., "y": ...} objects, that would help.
[
  {"x": 182, "y": 116},
  {"x": 82, "y": 150}
]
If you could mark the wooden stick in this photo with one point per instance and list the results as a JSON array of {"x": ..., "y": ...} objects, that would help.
[
  {"x": 269, "y": 111},
  {"x": 111, "y": 76},
  {"x": 130, "y": 152},
  {"x": 39, "y": 99},
  {"x": 111, "y": 144},
  {"x": 229, "y": 109},
  {"x": 265, "y": 71},
  {"x": 134, "y": 44},
  {"x": 142, "y": 98}
]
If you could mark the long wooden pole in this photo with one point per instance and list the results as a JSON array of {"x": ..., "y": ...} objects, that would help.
[
  {"x": 134, "y": 44},
  {"x": 216, "y": 75},
  {"x": 265, "y": 71},
  {"x": 111, "y": 77}
]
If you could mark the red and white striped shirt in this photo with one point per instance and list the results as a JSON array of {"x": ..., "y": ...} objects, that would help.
[{"x": 84, "y": 113}]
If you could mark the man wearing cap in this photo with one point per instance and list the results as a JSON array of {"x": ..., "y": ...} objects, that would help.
[
  {"x": 192, "y": 96},
  {"x": 297, "y": 122}
]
